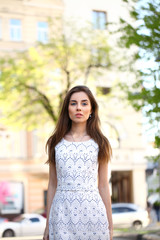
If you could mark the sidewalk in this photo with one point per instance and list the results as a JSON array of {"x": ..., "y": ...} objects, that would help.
[
  {"x": 151, "y": 232},
  {"x": 24, "y": 238}
]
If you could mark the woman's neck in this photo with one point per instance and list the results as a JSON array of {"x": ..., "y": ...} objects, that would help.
[{"x": 78, "y": 129}]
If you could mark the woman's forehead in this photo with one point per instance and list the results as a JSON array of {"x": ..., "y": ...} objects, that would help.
[{"x": 79, "y": 96}]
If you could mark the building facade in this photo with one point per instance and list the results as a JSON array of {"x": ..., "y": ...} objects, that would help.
[
  {"x": 23, "y": 172},
  {"x": 23, "y": 22},
  {"x": 22, "y": 155}
]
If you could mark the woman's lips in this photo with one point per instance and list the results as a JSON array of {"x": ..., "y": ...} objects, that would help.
[{"x": 79, "y": 115}]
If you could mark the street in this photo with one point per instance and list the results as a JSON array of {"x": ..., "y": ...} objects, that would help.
[
  {"x": 127, "y": 237},
  {"x": 40, "y": 238}
]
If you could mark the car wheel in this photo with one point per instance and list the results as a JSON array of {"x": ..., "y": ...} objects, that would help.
[
  {"x": 137, "y": 225},
  {"x": 8, "y": 233}
]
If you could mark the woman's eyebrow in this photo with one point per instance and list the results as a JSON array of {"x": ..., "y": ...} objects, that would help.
[{"x": 84, "y": 100}]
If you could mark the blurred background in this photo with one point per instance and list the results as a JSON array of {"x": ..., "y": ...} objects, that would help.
[{"x": 47, "y": 47}]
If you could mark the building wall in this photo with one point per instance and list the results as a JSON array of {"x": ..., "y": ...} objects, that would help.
[
  {"x": 30, "y": 12},
  {"x": 34, "y": 176},
  {"x": 22, "y": 153},
  {"x": 82, "y": 9},
  {"x": 36, "y": 187},
  {"x": 139, "y": 186}
]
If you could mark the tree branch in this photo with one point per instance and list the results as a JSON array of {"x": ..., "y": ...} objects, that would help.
[
  {"x": 44, "y": 101},
  {"x": 91, "y": 66}
]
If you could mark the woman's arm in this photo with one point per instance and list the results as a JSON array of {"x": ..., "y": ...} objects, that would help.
[
  {"x": 103, "y": 186},
  {"x": 52, "y": 185}
]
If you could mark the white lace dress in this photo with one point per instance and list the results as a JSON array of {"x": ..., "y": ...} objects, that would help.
[{"x": 77, "y": 211}]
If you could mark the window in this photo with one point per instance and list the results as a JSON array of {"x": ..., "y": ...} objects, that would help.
[
  {"x": 122, "y": 210},
  {"x": 42, "y": 32},
  {"x": 34, "y": 219},
  {"x": 99, "y": 19},
  {"x": 15, "y": 30}
]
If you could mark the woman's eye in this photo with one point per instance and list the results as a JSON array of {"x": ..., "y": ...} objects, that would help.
[
  {"x": 73, "y": 104},
  {"x": 84, "y": 104}
]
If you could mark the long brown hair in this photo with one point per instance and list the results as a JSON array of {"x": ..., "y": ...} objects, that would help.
[{"x": 93, "y": 127}]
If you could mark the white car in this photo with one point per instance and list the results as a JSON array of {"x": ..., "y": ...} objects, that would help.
[
  {"x": 24, "y": 225},
  {"x": 2, "y": 220},
  {"x": 129, "y": 215}
]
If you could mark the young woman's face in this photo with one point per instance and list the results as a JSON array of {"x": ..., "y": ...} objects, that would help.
[{"x": 79, "y": 107}]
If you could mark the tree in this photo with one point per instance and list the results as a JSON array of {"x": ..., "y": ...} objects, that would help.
[
  {"x": 33, "y": 83},
  {"x": 143, "y": 34}
]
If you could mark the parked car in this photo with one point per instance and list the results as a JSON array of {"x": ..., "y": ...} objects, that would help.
[
  {"x": 24, "y": 225},
  {"x": 2, "y": 220},
  {"x": 129, "y": 215}
]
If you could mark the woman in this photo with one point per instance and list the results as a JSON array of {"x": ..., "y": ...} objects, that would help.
[{"x": 78, "y": 199}]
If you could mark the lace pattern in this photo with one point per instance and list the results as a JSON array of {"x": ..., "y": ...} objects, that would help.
[{"x": 77, "y": 211}]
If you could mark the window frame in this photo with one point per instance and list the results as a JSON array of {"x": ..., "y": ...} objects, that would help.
[
  {"x": 97, "y": 24},
  {"x": 42, "y": 32},
  {"x": 15, "y": 30}
]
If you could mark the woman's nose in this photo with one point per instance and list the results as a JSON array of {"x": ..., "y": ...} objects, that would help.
[{"x": 78, "y": 107}]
